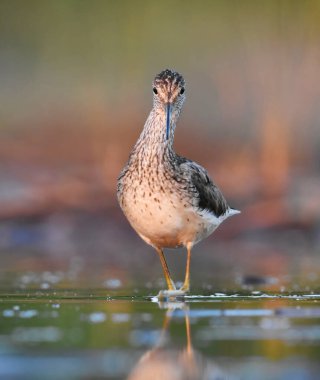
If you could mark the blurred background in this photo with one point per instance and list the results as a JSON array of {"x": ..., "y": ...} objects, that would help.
[{"x": 75, "y": 93}]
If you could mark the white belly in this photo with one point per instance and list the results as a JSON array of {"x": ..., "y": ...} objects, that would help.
[{"x": 164, "y": 220}]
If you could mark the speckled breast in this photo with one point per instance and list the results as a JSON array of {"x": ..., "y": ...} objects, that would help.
[{"x": 161, "y": 216}]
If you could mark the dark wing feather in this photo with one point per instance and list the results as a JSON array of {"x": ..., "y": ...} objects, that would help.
[{"x": 209, "y": 196}]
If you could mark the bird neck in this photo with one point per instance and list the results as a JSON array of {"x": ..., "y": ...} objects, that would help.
[{"x": 153, "y": 143}]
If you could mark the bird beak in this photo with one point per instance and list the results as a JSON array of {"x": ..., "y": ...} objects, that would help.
[{"x": 168, "y": 121}]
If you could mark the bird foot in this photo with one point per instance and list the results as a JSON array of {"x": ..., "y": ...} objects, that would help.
[
  {"x": 185, "y": 288},
  {"x": 170, "y": 294}
]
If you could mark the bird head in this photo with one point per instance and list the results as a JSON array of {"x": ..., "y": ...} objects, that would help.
[{"x": 168, "y": 94}]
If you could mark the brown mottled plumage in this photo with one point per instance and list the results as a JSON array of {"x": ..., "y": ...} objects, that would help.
[{"x": 169, "y": 200}]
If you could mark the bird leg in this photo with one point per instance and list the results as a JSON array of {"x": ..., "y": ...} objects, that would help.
[
  {"x": 170, "y": 283},
  {"x": 186, "y": 285},
  {"x": 189, "y": 344}
]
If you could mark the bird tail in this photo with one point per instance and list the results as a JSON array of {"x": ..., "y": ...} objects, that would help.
[{"x": 232, "y": 211}]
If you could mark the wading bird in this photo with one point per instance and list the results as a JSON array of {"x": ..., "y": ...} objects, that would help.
[{"x": 169, "y": 200}]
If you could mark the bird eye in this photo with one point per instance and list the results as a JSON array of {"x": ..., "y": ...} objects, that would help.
[
  {"x": 155, "y": 91},
  {"x": 182, "y": 91}
]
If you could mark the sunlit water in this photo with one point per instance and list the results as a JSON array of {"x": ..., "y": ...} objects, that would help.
[
  {"x": 84, "y": 307},
  {"x": 93, "y": 335}
]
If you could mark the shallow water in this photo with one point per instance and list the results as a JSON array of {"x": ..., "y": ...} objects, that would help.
[
  {"x": 77, "y": 301},
  {"x": 92, "y": 335}
]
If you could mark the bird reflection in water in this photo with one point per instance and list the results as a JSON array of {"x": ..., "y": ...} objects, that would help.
[{"x": 165, "y": 363}]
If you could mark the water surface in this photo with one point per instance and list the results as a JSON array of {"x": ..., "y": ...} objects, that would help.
[{"x": 90, "y": 335}]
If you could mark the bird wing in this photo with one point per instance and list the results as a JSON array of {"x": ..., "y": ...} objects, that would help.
[{"x": 208, "y": 195}]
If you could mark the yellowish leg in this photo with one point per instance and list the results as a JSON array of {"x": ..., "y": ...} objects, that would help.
[
  {"x": 164, "y": 329},
  {"x": 165, "y": 268},
  {"x": 189, "y": 344},
  {"x": 186, "y": 284},
  {"x": 191, "y": 365}
]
